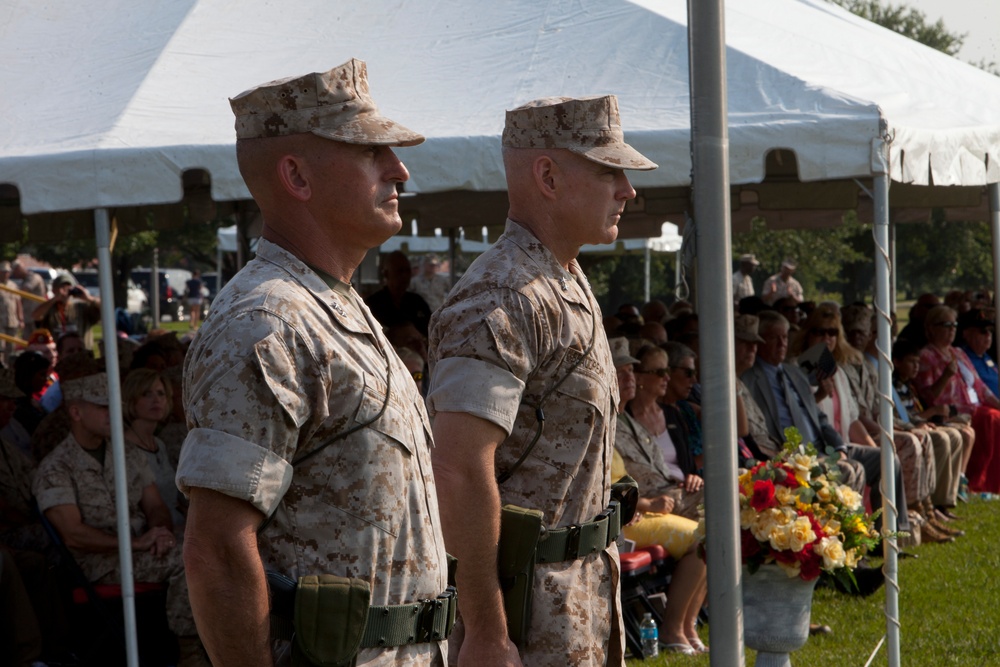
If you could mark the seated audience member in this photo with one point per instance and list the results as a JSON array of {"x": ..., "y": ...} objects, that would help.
[
  {"x": 174, "y": 429},
  {"x": 789, "y": 307},
  {"x": 395, "y": 303},
  {"x": 75, "y": 489},
  {"x": 67, "y": 345},
  {"x": 915, "y": 331},
  {"x": 652, "y": 441},
  {"x": 950, "y": 458},
  {"x": 914, "y": 447},
  {"x": 975, "y": 330},
  {"x": 31, "y": 374},
  {"x": 430, "y": 284},
  {"x": 654, "y": 524},
  {"x": 20, "y": 633},
  {"x": 680, "y": 385},
  {"x": 147, "y": 398},
  {"x": 958, "y": 300},
  {"x": 406, "y": 335},
  {"x": 751, "y": 305},
  {"x": 612, "y": 326},
  {"x": 654, "y": 332},
  {"x": 947, "y": 377},
  {"x": 19, "y": 529},
  {"x": 415, "y": 364},
  {"x": 751, "y": 427},
  {"x": 685, "y": 323},
  {"x": 783, "y": 393},
  {"x": 150, "y": 355},
  {"x": 655, "y": 311}
]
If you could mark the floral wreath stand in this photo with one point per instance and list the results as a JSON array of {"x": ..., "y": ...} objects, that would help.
[{"x": 776, "y": 611}]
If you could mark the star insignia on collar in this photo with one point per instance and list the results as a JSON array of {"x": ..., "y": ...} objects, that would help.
[
  {"x": 338, "y": 308},
  {"x": 562, "y": 284}
]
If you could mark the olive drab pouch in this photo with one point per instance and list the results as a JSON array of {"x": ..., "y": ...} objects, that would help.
[
  {"x": 520, "y": 530},
  {"x": 330, "y": 617},
  {"x": 626, "y": 492}
]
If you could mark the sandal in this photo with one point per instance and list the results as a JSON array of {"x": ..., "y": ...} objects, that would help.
[
  {"x": 683, "y": 649},
  {"x": 697, "y": 644}
]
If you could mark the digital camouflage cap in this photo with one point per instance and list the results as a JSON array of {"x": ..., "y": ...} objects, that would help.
[
  {"x": 91, "y": 388},
  {"x": 588, "y": 126},
  {"x": 335, "y": 105}
]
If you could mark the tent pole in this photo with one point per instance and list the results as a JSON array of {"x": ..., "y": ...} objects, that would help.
[
  {"x": 880, "y": 168},
  {"x": 892, "y": 265},
  {"x": 994, "y": 192},
  {"x": 646, "y": 252},
  {"x": 710, "y": 152},
  {"x": 110, "y": 352},
  {"x": 154, "y": 287}
]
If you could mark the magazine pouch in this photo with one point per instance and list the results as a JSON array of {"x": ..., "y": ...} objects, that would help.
[
  {"x": 520, "y": 530},
  {"x": 330, "y": 617}
]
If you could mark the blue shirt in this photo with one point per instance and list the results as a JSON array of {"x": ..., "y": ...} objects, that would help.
[
  {"x": 784, "y": 412},
  {"x": 986, "y": 368}
]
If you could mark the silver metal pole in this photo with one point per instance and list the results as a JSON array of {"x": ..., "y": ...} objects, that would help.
[
  {"x": 103, "y": 234},
  {"x": 452, "y": 255},
  {"x": 892, "y": 264},
  {"x": 880, "y": 169},
  {"x": 154, "y": 287},
  {"x": 710, "y": 152},
  {"x": 647, "y": 259},
  {"x": 994, "y": 191}
]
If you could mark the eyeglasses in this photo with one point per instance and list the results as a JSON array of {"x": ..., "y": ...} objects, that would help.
[
  {"x": 417, "y": 375},
  {"x": 817, "y": 331},
  {"x": 659, "y": 372},
  {"x": 688, "y": 372},
  {"x": 947, "y": 325}
]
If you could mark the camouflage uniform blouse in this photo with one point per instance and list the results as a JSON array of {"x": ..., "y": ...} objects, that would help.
[
  {"x": 71, "y": 476},
  {"x": 283, "y": 364},
  {"x": 511, "y": 329}
]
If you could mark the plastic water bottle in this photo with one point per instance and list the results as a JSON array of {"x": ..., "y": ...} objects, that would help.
[{"x": 650, "y": 637}]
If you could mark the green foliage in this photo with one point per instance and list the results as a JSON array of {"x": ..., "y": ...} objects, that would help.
[
  {"x": 906, "y": 21},
  {"x": 938, "y": 256},
  {"x": 618, "y": 279}
]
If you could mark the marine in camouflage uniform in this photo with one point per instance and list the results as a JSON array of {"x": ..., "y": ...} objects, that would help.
[
  {"x": 513, "y": 327},
  {"x": 288, "y": 363},
  {"x": 71, "y": 476}
]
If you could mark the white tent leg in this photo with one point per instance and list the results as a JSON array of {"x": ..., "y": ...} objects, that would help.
[
  {"x": 884, "y": 345},
  {"x": 994, "y": 192},
  {"x": 892, "y": 265},
  {"x": 710, "y": 140},
  {"x": 103, "y": 235},
  {"x": 646, "y": 258}
]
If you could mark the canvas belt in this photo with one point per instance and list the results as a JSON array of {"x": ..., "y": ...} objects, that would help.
[
  {"x": 419, "y": 622},
  {"x": 580, "y": 540}
]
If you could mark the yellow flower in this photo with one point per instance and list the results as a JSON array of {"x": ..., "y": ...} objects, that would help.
[
  {"x": 791, "y": 569},
  {"x": 784, "y": 495},
  {"x": 801, "y": 533},
  {"x": 832, "y": 551},
  {"x": 780, "y": 538},
  {"x": 747, "y": 516},
  {"x": 832, "y": 527},
  {"x": 824, "y": 494},
  {"x": 851, "y": 558},
  {"x": 848, "y": 497}
]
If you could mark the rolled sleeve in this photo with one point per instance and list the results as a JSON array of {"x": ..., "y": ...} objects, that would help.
[
  {"x": 479, "y": 388},
  {"x": 54, "y": 496},
  {"x": 222, "y": 462}
]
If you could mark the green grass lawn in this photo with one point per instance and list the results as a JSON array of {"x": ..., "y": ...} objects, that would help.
[{"x": 949, "y": 605}]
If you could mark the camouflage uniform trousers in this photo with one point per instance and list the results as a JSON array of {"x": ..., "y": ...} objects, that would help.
[{"x": 167, "y": 569}]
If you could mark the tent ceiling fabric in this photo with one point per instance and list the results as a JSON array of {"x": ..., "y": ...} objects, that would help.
[{"x": 97, "y": 122}]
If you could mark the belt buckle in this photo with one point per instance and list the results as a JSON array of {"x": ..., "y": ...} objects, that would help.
[
  {"x": 424, "y": 629},
  {"x": 572, "y": 541}
]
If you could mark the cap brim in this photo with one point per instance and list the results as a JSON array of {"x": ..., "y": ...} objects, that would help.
[
  {"x": 620, "y": 156},
  {"x": 624, "y": 361},
  {"x": 750, "y": 339},
  {"x": 371, "y": 130}
]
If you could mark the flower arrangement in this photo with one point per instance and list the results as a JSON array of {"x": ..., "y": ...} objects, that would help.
[{"x": 793, "y": 512}]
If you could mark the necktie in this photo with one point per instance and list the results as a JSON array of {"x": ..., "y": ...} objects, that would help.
[{"x": 799, "y": 418}]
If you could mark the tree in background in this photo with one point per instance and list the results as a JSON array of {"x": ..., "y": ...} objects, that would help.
[{"x": 907, "y": 21}]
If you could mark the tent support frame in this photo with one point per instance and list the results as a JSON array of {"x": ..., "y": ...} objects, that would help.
[
  {"x": 110, "y": 353},
  {"x": 710, "y": 157}
]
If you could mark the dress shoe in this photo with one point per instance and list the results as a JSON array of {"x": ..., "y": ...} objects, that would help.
[
  {"x": 947, "y": 530},
  {"x": 928, "y": 533},
  {"x": 948, "y": 514},
  {"x": 817, "y": 629}
]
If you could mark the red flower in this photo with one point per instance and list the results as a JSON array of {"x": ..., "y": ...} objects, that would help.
[
  {"x": 810, "y": 567},
  {"x": 749, "y": 545},
  {"x": 789, "y": 479},
  {"x": 763, "y": 495}
]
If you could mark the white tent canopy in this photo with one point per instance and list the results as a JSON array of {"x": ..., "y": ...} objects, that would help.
[{"x": 107, "y": 104}]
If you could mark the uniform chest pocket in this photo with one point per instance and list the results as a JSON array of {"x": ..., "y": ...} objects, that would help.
[{"x": 372, "y": 475}]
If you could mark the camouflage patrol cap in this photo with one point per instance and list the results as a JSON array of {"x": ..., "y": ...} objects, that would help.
[
  {"x": 90, "y": 388},
  {"x": 335, "y": 105},
  {"x": 588, "y": 126},
  {"x": 7, "y": 387}
]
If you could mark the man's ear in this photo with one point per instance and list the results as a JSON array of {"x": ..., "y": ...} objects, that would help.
[
  {"x": 294, "y": 176},
  {"x": 545, "y": 172},
  {"x": 73, "y": 410}
]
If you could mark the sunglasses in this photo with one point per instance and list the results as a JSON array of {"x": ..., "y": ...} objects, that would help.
[
  {"x": 947, "y": 325},
  {"x": 817, "y": 331},
  {"x": 688, "y": 372},
  {"x": 417, "y": 375},
  {"x": 659, "y": 372}
]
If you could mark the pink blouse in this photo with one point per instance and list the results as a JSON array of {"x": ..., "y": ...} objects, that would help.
[{"x": 933, "y": 362}]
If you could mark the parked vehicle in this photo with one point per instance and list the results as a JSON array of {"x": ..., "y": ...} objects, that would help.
[
  {"x": 136, "y": 300},
  {"x": 48, "y": 275},
  {"x": 171, "y": 286}
]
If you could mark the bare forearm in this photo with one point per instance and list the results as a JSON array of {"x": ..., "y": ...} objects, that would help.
[{"x": 226, "y": 586}]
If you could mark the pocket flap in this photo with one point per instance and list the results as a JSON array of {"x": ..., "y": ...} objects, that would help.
[{"x": 330, "y": 617}]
